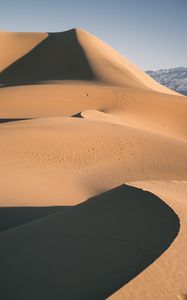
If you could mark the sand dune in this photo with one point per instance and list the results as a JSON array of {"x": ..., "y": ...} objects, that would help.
[
  {"x": 55, "y": 169},
  {"x": 13, "y": 45},
  {"x": 78, "y": 56},
  {"x": 96, "y": 122},
  {"x": 166, "y": 278},
  {"x": 111, "y": 237},
  {"x": 135, "y": 107}
]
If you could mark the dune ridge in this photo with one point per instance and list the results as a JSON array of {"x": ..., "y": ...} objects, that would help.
[
  {"x": 14, "y": 45},
  {"x": 109, "y": 247},
  {"x": 78, "y": 55},
  {"x": 76, "y": 120}
]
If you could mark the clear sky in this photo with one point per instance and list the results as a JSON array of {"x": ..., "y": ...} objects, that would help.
[{"x": 152, "y": 34}]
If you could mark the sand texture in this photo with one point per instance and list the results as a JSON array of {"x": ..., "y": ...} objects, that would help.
[{"x": 93, "y": 185}]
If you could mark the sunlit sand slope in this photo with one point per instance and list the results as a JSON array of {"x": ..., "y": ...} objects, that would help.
[
  {"x": 76, "y": 54},
  {"x": 94, "y": 122},
  {"x": 58, "y": 161},
  {"x": 13, "y": 45}
]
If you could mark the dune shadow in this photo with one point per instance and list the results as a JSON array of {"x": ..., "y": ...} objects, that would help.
[
  {"x": 13, "y": 120},
  {"x": 58, "y": 57},
  {"x": 78, "y": 115},
  {"x": 15, "y": 216},
  {"x": 88, "y": 251}
]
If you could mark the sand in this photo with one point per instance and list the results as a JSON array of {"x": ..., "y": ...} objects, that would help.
[
  {"x": 14, "y": 45},
  {"x": 99, "y": 238},
  {"x": 95, "y": 122},
  {"x": 170, "y": 266}
]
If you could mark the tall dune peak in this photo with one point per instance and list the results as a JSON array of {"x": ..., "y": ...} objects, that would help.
[{"x": 70, "y": 55}]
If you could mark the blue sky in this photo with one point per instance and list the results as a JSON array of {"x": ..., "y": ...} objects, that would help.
[{"x": 152, "y": 34}]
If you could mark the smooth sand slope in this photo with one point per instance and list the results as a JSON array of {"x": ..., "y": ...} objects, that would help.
[
  {"x": 14, "y": 45},
  {"x": 54, "y": 161},
  {"x": 134, "y": 107},
  {"x": 96, "y": 122}
]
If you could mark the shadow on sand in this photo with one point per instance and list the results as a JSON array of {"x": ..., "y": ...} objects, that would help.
[
  {"x": 14, "y": 216},
  {"x": 12, "y": 120},
  {"x": 85, "y": 252},
  {"x": 58, "y": 57}
]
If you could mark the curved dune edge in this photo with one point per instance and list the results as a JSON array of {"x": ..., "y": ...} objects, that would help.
[
  {"x": 55, "y": 160},
  {"x": 160, "y": 280},
  {"x": 52, "y": 134},
  {"x": 79, "y": 56},
  {"x": 135, "y": 107},
  {"x": 36, "y": 153},
  {"x": 120, "y": 119},
  {"x": 111, "y": 237},
  {"x": 96, "y": 51}
]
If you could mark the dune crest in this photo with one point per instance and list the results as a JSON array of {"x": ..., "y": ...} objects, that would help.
[
  {"x": 113, "y": 68},
  {"x": 77, "y": 120},
  {"x": 13, "y": 45},
  {"x": 78, "y": 55}
]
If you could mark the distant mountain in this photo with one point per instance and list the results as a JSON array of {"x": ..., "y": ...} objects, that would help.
[{"x": 175, "y": 78}]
